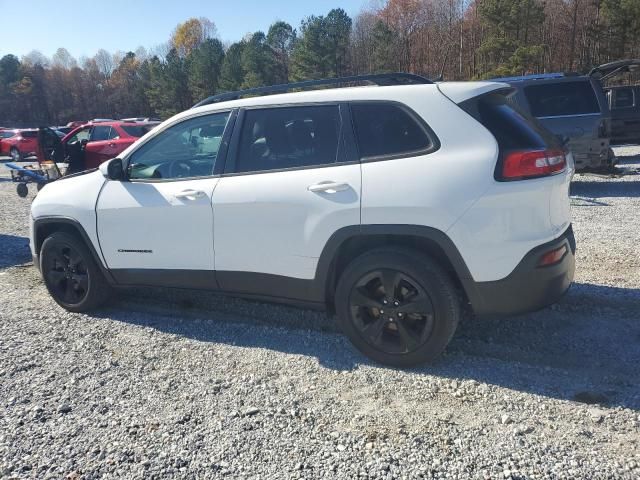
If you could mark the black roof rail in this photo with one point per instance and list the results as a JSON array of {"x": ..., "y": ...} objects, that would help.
[{"x": 380, "y": 79}]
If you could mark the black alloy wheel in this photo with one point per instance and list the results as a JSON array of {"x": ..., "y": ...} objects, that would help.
[
  {"x": 66, "y": 274},
  {"x": 397, "y": 305},
  {"x": 391, "y": 311},
  {"x": 71, "y": 273}
]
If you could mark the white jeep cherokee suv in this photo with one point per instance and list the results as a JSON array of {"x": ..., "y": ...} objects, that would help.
[{"x": 391, "y": 206}]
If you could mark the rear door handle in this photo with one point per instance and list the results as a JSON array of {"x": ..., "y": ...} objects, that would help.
[
  {"x": 190, "y": 194},
  {"x": 329, "y": 187}
]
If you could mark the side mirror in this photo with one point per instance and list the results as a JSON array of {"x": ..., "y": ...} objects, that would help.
[{"x": 113, "y": 169}]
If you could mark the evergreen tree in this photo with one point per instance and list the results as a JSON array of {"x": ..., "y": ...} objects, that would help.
[
  {"x": 281, "y": 38},
  {"x": 509, "y": 24},
  {"x": 232, "y": 70},
  {"x": 204, "y": 65},
  {"x": 322, "y": 50},
  {"x": 258, "y": 62}
]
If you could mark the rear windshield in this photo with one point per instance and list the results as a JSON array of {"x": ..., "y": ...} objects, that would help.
[
  {"x": 566, "y": 98},
  {"x": 512, "y": 128},
  {"x": 137, "y": 130}
]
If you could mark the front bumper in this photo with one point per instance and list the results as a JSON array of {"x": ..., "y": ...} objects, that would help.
[{"x": 529, "y": 287}]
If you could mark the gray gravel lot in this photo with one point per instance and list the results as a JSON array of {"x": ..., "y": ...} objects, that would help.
[{"x": 187, "y": 384}]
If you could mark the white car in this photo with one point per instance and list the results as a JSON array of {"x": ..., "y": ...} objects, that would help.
[{"x": 391, "y": 206}]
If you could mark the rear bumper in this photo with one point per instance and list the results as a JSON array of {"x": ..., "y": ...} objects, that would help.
[{"x": 529, "y": 287}]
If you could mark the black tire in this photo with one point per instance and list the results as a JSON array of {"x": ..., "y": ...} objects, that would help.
[
  {"x": 15, "y": 154},
  {"x": 419, "y": 285},
  {"x": 71, "y": 274}
]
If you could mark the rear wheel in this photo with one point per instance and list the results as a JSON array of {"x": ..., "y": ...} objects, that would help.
[
  {"x": 70, "y": 273},
  {"x": 397, "y": 306},
  {"x": 15, "y": 154}
]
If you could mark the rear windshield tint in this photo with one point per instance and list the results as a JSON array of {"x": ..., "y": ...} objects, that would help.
[
  {"x": 566, "y": 98},
  {"x": 136, "y": 130},
  {"x": 386, "y": 129},
  {"x": 512, "y": 128}
]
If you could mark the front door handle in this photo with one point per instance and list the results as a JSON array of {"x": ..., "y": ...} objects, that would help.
[
  {"x": 329, "y": 187},
  {"x": 190, "y": 194}
]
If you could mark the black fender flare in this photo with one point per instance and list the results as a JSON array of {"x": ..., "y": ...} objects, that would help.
[
  {"x": 69, "y": 223},
  {"x": 327, "y": 257}
]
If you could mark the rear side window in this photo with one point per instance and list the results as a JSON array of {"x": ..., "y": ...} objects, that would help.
[
  {"x": 29, "y": 134},
  {"x": 566, "y": 98},
  {"x": 289, "y": 137},
  {"x": 512, "y": 129},
  {"x": 622, "y": 97},
  {"x": 384, "y": 129}
]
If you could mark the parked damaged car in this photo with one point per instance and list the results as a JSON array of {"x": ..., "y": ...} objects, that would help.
[
  {"x": 89, "y": 145},
  {"x": 573, "y": 107},
  {"x": 624, "y": 101}
]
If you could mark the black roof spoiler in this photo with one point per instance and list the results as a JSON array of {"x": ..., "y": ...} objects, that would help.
[
  {"x": 380, "y": 79},
  {"x": 608, "y": 70}
]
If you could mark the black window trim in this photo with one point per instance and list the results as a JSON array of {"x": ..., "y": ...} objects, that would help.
[
  {"x": 220, "y": 158},
  {"x": 431, "y": 135},
  {"x": 342, "y": 156}
]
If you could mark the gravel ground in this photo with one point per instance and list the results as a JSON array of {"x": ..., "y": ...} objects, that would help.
[{"x": 185, "y": 384}]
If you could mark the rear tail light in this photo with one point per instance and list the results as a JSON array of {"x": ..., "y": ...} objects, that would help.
[
  {"x": 523, "y": 164},
  {"x": 552, "y": 256}
]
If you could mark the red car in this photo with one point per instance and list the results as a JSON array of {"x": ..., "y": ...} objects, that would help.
[
  {"x": 18, "y": 143},
  {"x": 89, "y": 145}
]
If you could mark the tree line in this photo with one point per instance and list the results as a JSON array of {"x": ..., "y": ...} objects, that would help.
[{"x": 455, "y": 39}]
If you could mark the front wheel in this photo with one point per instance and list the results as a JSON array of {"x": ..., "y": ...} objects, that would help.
[
  {"x": 397, "y": 306},
  {"x": 70, "y": 273}
]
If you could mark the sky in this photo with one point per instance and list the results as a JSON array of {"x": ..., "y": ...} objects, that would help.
[{"x": 83, "y": 27}]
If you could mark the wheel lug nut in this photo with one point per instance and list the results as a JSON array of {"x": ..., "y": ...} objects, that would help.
[
  {"x": 396, "y": 303},
  {"x": 381, "y": 312},
  {"x": 384, "y": 302}
]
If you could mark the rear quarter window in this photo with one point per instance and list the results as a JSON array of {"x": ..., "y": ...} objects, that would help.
[
  {"x": 512, "y": 128},
  {"x": 561, "y": 99},
  {"x": 386, "y": 130}
]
